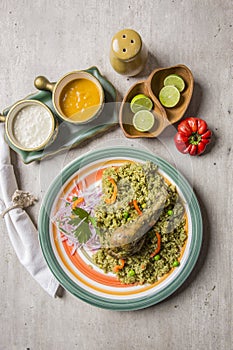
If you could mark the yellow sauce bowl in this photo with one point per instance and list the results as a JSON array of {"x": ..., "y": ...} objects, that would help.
[{"x": 63, "y": 96}]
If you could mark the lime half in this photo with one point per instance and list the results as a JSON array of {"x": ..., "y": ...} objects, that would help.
[
  {"x": 143, "y": 120},
  {"x": 176, "y": 81},
  {"x": 141, "y": 102},
  {"x": 169, "y": 96}
]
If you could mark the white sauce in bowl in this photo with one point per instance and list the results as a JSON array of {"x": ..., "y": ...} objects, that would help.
[{"x": 32, "y": 126}]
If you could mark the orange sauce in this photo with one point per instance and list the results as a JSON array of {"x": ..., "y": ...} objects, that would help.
[{"x": 80, "y": 100}]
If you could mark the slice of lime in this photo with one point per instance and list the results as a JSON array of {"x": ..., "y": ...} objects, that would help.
[
  {"x": 169, "y": 96},
  {"x": 141, "y": 102},
  {"x": 176, "y": 80},
  {"x": 143, "y": 120}
]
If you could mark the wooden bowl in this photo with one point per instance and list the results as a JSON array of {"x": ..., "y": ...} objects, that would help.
[
  {"x": 151, "y": 88},
  {"x": 126, "y": 115}
]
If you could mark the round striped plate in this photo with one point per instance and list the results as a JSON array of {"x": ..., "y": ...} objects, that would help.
[{"x": 77, "y": 273}]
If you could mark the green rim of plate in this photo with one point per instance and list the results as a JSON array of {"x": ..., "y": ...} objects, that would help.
[{"x": 65, "y": 280}]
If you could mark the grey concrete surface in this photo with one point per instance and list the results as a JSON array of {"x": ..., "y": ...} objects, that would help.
[{"x": 55, "y": 37}]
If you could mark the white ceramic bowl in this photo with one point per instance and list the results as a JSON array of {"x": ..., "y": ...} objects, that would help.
[{"x": 10, "y": 121}]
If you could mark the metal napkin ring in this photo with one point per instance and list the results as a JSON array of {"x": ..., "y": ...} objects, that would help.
[{"x": 20, "y": 199}]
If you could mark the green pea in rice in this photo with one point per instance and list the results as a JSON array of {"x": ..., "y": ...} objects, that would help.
[{"x": 140, "y": 181}]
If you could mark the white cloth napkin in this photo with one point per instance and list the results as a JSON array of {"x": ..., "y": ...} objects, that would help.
[{"x": 22, "y": 232}]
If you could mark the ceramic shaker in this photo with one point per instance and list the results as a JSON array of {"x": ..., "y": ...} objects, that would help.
[{"x": 128, "y": 54}]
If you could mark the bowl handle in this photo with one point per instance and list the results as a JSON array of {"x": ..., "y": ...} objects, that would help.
[
  {"x": 2, "y": 118},
  {"x": 42, "y": 83}
]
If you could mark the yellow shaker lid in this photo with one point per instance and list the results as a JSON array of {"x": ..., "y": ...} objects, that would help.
[{"x": 126, "y": 44}]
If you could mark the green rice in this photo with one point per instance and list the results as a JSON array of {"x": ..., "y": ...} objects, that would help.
[{"x": 143, "y": 183}]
